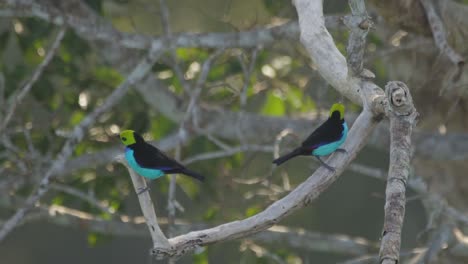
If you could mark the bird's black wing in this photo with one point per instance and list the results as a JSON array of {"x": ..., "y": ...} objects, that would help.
[
  {"x": 330, "y": 131},
  {"x": 148, "y": 156}
]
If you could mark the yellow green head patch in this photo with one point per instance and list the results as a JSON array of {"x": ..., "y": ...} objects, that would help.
[
  {"x": 337, "y": 107},
  {"x": 127, "y": 137}
]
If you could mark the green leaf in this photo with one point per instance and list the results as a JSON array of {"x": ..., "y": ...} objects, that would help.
[
  {"x": 253, "y": 210},
  {"x": 58, "y": 200},
  {"x": 189, "y": 186},
  {"x": 201, "y": 258},
  {"x": 211, "y": 213},
  {"x": 191, "y": 54},
  {"x": 294, "y": 97},
  {"x": 93, "y": 239},
  {"x": 76, "y": 118},
  {"x": 162, "y": 127},
  {"x": 274, "y": 106},
  {"x": 108, "y": 76}
]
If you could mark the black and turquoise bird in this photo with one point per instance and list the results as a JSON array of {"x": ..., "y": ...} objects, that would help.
[
  {"x": 326, "y": 139},
  {"x": 148, "y": 161}
]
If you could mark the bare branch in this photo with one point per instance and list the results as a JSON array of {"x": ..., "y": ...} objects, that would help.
[
  {"x": 247, "y": 70},
  {"x": 438, "y": 32},
  {"x": 228, "y": 152},
  {"x": 99, "y": 29},
  {"x": 437, "y": 243},
  {"x": 147, "y": 207},
  {"x": 372, "y": 259},
  {"x": 205, "y": 69},
  {"x": 402, "y": 116},
  {"x": 261, "y": 251},
  {"x": 37, "y": 73},
  {"x": 298, "y": 198},
  {"x": 2, "y": 93},
  {"x": 307, "y": 240},
  {"x": 330, "y": 62},
  {"x": 359, "y": 25},
  {"x": 171, "y": 199},
  {"x": 83, "y": 196},
  {"x": 461, "y": 248}
]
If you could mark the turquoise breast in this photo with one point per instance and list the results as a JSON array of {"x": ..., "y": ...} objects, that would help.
[
  {"x": 147, "y": 173},
  {"x": 328, "y": 149}
]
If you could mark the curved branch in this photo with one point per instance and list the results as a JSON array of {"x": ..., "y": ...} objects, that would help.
[
  {"x": 298, "y": 198},
  {"x": 330, "y": 63}
]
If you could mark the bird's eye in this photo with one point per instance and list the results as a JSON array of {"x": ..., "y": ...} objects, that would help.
[{"x": 124, "y": 138}]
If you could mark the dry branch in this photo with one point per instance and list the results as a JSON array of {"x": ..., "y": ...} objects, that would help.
[
  {"x": 330, "y": 63},
  {"x": 147, "y": 207},
  {"x": 90, "y": 26},
  {"x": 358, "y": 24},
  {"x": 438, "y": 32},
  {"x": 298, "y": 198},
  {"x": 402, "y": 115}
]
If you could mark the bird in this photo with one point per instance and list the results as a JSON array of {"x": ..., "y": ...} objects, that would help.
[
  {"x": 148, "y": 161},
  {"x": 324, "y": 140}
]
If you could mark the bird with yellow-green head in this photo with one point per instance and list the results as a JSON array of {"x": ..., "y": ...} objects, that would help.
[
  {"x": 148, "y": 161},
  {"x": 324, "y": 140}
]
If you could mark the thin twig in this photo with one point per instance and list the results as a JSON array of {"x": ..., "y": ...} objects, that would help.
[
  {"x": 2, "y": 94},
  {"x": 218, "y": 142},
  {"x": 247, "y": 70},
  {"x": 171, "y": 198},
  {"x": 227, "y": 152},
  {"x": 37, "y": 73},
  {"x": 83, "y": 196},
  {"x": 437, "y": 243},
  {"x": 372, "y": 259},
  {"x": 205, "y": 69},
  {"x": 261, "y": 252},
  {"x": 164, "y": 13}
]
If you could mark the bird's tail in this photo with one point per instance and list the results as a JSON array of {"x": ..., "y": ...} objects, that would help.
[
  {"x": 292, "y": 154},
  {"x": 193, "y": 174}
]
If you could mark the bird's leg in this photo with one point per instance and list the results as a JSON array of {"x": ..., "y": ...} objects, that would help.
[
  {"x": 341, "y": 150},
  {"x": 325, "y": 165},
  {"x": 142, "y": 190}
]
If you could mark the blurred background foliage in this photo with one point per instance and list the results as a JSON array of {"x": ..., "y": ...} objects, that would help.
[{"x": 283, "y": 83}]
